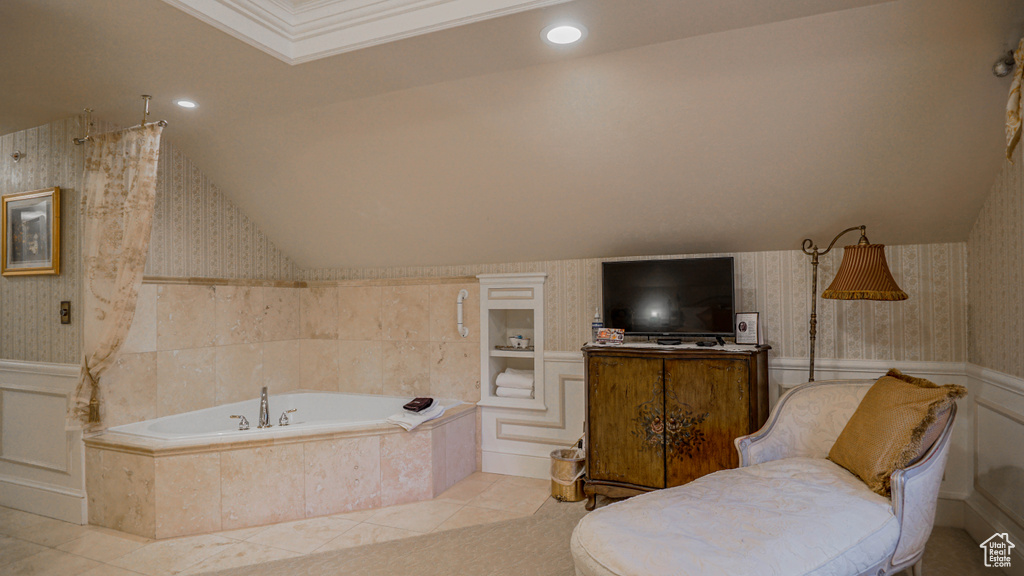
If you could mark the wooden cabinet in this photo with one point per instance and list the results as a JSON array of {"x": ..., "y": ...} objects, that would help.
[{"x": 660, "y": 417}]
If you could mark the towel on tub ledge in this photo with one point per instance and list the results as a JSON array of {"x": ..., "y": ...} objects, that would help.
[
  {"x": 410, "y": 420},
  {"x": 512, "y": 378}
]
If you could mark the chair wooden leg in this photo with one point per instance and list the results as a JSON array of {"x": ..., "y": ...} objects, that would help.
[{"x": 918, "y": 568}]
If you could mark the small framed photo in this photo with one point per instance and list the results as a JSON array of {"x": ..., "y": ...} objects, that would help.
[
  {"x": 748, "y": 328},
  {"x": 31, "y": 233}
]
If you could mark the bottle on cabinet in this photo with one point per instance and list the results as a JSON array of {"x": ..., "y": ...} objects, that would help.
[{"x": 596, "y": 325}]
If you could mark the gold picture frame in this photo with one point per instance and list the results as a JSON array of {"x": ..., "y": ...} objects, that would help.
[{"x": 30, "y": 244}]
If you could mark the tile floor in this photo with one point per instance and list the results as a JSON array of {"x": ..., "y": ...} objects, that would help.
[{"x": 31, "y": 544}]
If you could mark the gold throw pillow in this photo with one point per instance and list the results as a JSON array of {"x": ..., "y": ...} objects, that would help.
[{"x": 889, "y": 427}]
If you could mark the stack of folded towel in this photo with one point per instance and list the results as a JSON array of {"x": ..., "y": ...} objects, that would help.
[
  {"x": 514, "y": 383},
  {"x": 410, "y": 420}
]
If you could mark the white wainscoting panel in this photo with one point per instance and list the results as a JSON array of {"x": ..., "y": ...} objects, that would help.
[
  {"x": 519, "y": 442},
  {"x": 997, "y": 504},
  {"x": 41, "y": 463}
]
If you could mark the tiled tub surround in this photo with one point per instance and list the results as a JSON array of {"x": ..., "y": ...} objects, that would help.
[
  {"x": 158, "y": 489},
  {"x": 200, "y": 343}
]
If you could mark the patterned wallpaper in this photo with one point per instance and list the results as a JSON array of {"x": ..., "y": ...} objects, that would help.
[
  {"x": 29, "y": 326},
  {"x": 930, "y": 326},
  {"x": 996, "y": 263},
  {"x": 199, "y": 233}
]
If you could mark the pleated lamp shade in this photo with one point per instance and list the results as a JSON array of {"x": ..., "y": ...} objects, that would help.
[{"x": 864, "y": 275}]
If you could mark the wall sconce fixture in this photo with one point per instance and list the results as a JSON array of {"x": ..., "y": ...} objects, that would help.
[
  {"x": 863, "y": 275},
  {"x": 1004, "y": 65}
]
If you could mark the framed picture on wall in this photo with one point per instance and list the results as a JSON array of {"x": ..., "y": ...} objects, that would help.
[
  {"x": 748, "y": 328},
  {"x": 31, "y": 233}
]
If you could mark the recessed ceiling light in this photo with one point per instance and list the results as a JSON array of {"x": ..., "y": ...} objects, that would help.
[
  {"x": 186, "y": 103},
  {"x": 564, "y": 33}
]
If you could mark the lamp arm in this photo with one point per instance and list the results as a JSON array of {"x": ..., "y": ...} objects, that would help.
[{"x": 811, "y": 249}]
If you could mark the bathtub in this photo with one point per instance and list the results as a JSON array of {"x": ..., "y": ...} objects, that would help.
[
  {"x": 314, "y": 412},
  {"x": 195, "y": 472}
]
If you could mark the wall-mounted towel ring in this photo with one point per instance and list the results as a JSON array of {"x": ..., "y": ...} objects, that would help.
[{"x": 463, "y": 331}]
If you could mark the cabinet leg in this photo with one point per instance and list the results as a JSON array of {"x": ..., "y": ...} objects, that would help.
[{"x": 591, "y": 502}]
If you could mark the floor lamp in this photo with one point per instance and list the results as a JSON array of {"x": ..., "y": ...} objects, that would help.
[{"x": 863, "y": 275}]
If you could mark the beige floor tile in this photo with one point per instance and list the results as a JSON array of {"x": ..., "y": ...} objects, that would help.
[
  {"x": 12, "y": 550},
  {"x": 357, "y": 516},
  {"x": 50, "y": 532},
  {"x": 243, "y": 533},
  {"x": 303, "y": 536},
  {"x": 485, "y": 477},
  {"x": 417, "y": 517},
  {"x": 366, "y": 534},
  {"x": 543, "y": 484},
  {"x": 522, "y": 495},
  {"x": 473, "y": 516},
  {"x": 121, "y": 535},
  {"x": 240, "y": 554},
  {"x": 173, "y": 556},
  {"x": 11, "y": 520},
  {"x": 50, "y": 562},
  {"x": 108, "y": 570},
  {"x": 103, "y": 545},
  {"x": 465, "y": 490}
]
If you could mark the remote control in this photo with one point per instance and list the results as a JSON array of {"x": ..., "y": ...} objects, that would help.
[
  {"x": 669, "y": 341},
  {"x": 707, "y": 343}
]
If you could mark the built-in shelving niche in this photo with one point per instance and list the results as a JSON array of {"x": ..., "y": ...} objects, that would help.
[{"x": 511, "y": 305}]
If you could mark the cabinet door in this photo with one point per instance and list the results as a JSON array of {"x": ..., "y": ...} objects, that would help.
[
  {"x": 625, "y": 404},
  {"x": 705, "y": 409}
]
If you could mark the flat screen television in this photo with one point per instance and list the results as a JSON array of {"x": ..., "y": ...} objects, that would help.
[{"x": 684, "y": 297}]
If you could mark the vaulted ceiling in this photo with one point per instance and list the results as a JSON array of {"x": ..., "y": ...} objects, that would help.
[{"x": 676, "y": 126}]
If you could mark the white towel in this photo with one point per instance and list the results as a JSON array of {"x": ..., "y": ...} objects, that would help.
[
  {"x": 511, "y": 378},
  {"x": 513, "y": 392},
  {"x": 410, "y": 420}
]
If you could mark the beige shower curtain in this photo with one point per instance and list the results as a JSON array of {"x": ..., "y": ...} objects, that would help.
[
  {"x": 120, "y": 191},
  {"x": 1013, "y": 106}
]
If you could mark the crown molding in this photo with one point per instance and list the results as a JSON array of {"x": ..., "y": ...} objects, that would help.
[{"x": 297, "y": 31}]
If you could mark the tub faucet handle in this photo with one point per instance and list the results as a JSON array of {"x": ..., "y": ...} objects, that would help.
[
  {"x": 283, "y": 420},
  {"x": 264, "y": 410},
  {"x": 243, "y": 424}
]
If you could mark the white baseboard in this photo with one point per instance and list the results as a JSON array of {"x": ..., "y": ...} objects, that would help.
[
  {"x": 50, "y": 501},
  {"x": 516, "y": 465}
]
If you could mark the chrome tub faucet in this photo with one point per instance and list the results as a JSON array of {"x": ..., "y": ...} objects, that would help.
[{"x": 264, "y": 410}]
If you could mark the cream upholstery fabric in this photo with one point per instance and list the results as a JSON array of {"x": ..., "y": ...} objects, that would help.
[
  {"x": 791, "y": 516},
  {"x": 810, "y": 424}
]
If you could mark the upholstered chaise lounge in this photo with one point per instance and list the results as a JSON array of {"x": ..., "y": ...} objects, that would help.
[{"x": 787, "y": 510}]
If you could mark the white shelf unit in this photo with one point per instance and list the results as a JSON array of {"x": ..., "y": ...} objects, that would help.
[{"x": 511, "y": 305}]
